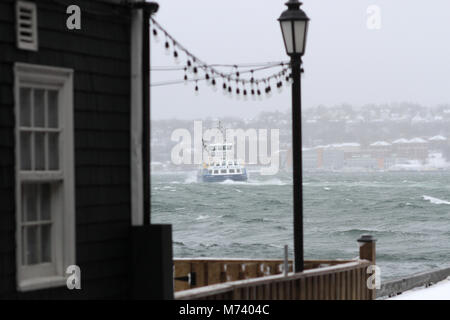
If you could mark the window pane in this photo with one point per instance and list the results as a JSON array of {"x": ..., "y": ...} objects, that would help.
[
  {"x": 39, "y": 108},
  {"x": 53, "y": 151},
  {"x": 39, "y": 151},
  {"x": 25, "y": 109},
  {"x": 299, "y": 27},
  {"x": 29, "y": 202},
  {"x": 286, "y": 27},
  {"x": 23, "y": 250},
  {"x": 46, "y": 243},
  {"x": 25, "y": 150},
  {"x": 31, "y": 246},
  {"x": 45, "y": 202},
  {"x": 52, "y": 109}
]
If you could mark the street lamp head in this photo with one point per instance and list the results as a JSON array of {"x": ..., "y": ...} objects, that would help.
[{"x": 294, "y": 26}]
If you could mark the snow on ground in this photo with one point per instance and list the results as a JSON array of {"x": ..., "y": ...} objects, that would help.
[{"x": 439, "y": 291}]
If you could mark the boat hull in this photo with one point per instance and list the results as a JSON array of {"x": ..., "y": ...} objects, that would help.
[{"x": 222, "y": 178}]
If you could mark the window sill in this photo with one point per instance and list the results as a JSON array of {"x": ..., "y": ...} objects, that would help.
[{"x": 41, "y": 283}]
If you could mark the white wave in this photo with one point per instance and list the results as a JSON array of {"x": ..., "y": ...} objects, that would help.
[
  {"x": 191, "y": 178},
  {"x": 270, "y": 182},
  {"x": 233, "y": 182},
  {"x": 200, "y": 217},
  {"x": 237, "y": 190},
  {"x": 326, "y": 188},
  {"x": 435, "y": 200}
]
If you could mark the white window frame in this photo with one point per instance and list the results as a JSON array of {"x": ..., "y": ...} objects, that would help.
[{"x": 63, "y": 235}]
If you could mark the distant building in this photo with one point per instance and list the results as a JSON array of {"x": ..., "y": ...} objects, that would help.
[
  {"x": 332, "y": 159},
  {"x": 310, "y": 159},
  {"x": 362, "y": 162},
  {"x": 415, "y": 149},
  {"x": 438, "y": 143}
]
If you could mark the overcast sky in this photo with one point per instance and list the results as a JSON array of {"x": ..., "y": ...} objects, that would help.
[{"x": 407, "y": 59}]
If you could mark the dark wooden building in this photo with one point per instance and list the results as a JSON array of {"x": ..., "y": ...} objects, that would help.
[{"x": 71, "y": 144}]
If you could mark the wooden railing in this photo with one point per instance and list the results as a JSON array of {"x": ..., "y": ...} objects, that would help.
[
  {"x": 195, "y": 273},
  {"x": 339, "y": 282},
  {"x": 217, "y": 279}
]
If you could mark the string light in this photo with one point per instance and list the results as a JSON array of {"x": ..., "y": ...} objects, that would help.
[{"x": 245, "y": 85}]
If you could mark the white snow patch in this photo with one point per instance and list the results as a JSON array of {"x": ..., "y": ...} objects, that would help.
[{"x": 439, "y": 291}]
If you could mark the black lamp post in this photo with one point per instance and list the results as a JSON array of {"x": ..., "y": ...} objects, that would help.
[{"x": 294, "y": 26}]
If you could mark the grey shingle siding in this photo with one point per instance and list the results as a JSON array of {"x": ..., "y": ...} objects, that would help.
[{"x": 99, "y": 53}]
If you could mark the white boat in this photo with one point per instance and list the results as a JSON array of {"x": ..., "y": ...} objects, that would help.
[{"x": 220, "y": 164}]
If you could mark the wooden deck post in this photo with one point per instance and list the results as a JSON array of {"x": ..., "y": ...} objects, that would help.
[{"x": 367, "y": 251}]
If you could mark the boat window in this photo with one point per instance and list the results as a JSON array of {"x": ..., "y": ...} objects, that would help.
[
  {"x": 223, "y": 171},
  {"x": 224, "y": 163},
  {"x": 216, "y": 171},
  {"x": 231, "y": 170},
  {"x": 238, "y": 170},
  {"x": 209, "y": 171},
  {"x": 224, "y": 147}
]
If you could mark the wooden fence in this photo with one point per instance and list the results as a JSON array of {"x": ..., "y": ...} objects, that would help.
[
  {"x": 251, "y": 279},
  {"x": 345, "y": 281},
  {"x": 195, "y": 273}
]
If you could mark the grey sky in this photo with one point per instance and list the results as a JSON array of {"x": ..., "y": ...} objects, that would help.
[{"x": 406, "y": 60}]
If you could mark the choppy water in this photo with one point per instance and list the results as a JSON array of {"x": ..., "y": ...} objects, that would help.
[{"x": 409, "y": 214}]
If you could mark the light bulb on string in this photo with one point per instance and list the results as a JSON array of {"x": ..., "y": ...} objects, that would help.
[
  {"x": 213, "y": 79},
  {"x": 279, "y": 85},
  {"x": 167, "y": 47},
  {"x": 213, "y": 83},
  {"x": 258, "y": 91},
  {"x": 224, "y": 87},
  {"x": 175, "y": 57},
  {"x": 288, "y": 80},
  {"x": 156, "y": 36},
  {"x": 238, "y": 91},
  {"x": 266, "y": 88},
  {"x": 244, "y": 93},
  {"x": 236, "y": 71},
  {"x": 185, "y": 76},
  {"x": 196, "y": 88}
]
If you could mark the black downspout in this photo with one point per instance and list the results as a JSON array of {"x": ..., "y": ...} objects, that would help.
[
  {"x": 149, "y": 8},
  {"x": 146, "y": 150}
]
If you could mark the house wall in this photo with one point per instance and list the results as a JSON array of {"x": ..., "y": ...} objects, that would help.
[{"x": 99, "y": 53}]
